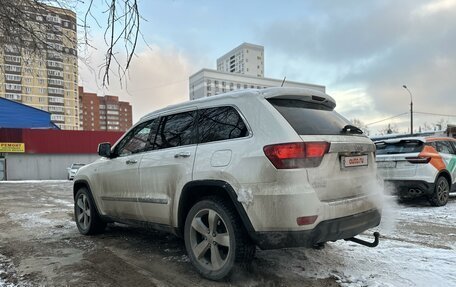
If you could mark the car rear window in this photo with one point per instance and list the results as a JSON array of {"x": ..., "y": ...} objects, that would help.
[
  {"x": 403, "y": 146},
  {"x": 310, "y": 118}
]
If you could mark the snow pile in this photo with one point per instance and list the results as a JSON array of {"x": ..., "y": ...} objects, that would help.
[
  {"x": 41, "y": 219},
  {"x": 32, "y": 219},
  {"x": 33, "y": 181},
  {"x": 8, "y": 276},
  {"x": 390, "y": 264}
]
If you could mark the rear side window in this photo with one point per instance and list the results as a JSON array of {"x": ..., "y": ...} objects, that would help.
[
  {"x": 403, "y": 146},
  {"x": 454, "y": 146},
  {"x": 444, "y": 147},
  {"x": 175, "y": 130},
  {"x": 221, "y": 123},
  {"x": 309, "y": 118}
]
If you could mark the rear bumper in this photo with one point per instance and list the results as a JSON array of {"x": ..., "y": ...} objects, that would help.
[
  {"x": 409, "y": 188},
  {"x": 328, "y": 230}
]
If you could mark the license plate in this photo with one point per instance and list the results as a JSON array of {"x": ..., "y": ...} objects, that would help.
[
  {"x": 386, "y": 164},
  {"x": 350, "y": 161}
]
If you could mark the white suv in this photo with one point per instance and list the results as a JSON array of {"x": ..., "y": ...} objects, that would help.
[{"x": 271, "y": 168}]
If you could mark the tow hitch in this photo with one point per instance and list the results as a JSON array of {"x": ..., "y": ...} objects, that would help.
[{"x": 365, "y": 243}]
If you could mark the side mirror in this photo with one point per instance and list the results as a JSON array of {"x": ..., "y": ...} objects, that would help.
[{"x": 104, "y": 149}]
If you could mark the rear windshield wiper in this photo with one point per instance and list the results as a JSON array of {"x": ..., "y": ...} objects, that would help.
[{"x": 351, "y": 129}]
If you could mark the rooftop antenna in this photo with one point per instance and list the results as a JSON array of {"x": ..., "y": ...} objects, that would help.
[{"x": 284, "y": 78}]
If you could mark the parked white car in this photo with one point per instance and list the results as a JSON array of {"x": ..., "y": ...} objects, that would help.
[
  {"x": 418, "y": 166},
  {"x": 272, "y": 168},
  {"x": 73, "y": 169}
]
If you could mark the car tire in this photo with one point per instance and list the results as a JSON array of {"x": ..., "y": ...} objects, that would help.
[
  {"x": 214, "y": 248},
  {"x": 86, "y": 215},
  {"x": 441, "y": 192}
]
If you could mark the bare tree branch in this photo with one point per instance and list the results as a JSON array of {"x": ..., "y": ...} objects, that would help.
[{"x": 123, "y": 20}]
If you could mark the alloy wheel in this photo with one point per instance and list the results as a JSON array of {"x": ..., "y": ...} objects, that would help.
[
  {"x": 210, "y": 239},
  {"x": 83, "y": 214},
  {"x": 443, "y": 191}
]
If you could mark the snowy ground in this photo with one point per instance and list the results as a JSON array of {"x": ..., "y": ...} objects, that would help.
[
  {"x": 40, "y": 245},
  {"x": 417, "y": 248}
]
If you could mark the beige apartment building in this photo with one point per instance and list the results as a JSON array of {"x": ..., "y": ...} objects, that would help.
[{"x": 46, "y": 79}]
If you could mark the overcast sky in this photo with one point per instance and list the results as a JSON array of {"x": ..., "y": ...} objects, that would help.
[{"x": 362, "y": 51}]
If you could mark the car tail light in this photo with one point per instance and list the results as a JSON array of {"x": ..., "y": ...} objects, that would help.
[
  {"x": 419, "y": 159},
  {"x": 306, "y": 220},
  {"x": 296, "y": 155}
]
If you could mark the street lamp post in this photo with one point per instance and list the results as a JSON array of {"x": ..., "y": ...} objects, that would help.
[{"x": 411, "y": 109}]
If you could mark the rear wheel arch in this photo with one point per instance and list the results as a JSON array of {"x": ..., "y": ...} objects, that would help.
[
  {"x": 445, "y": 174},
  {"x": 194, "y": 191}
]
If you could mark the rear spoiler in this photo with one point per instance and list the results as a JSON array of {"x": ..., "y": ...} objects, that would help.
[{"x": 305, "y": 95}]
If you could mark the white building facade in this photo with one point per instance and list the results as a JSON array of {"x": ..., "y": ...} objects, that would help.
[
  {"x": 240, "y": 68},
  {"x": 246, "y": 59},
  {"x": 207, "y": 82}
]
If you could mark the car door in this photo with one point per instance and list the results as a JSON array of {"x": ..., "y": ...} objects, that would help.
[
  {"x": 167, "y": 166},
  {"x": 119, "y": 176}
]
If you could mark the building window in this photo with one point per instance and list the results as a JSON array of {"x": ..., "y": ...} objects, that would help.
[
  {"x": 15, "y": 78},
  {"x": 13, "y": 87},
  {"x": 12, "y": 96},
  {"x": 15, "y": 59},
  {"x": 12, "y": 68}
]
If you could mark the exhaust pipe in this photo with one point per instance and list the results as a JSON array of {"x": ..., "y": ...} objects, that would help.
[{"x": 365, "y": 243}]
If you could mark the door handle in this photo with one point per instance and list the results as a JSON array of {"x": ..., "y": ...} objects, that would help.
[
  {"x": 131, "y": 161},
  {"x": 182, "y": 155}
]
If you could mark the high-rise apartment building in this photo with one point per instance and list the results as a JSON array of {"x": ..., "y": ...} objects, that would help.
[
  {"x": 246, "y": 59},
  {"x": 241, "y": 68},
  {"x": 46, "y": 78},
  {"x": 104, "y": 113}
]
